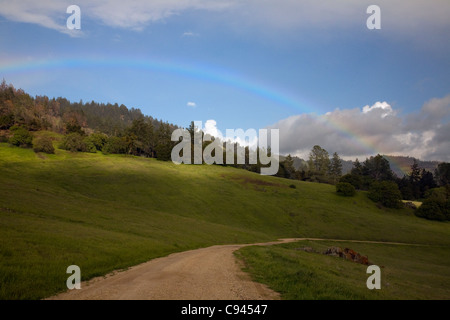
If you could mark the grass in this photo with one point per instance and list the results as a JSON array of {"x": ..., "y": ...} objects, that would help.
[
  {"x": 416, "y": 203},
  {"x": 104, "y": 213},
  {"x": 407, "y": 272}
]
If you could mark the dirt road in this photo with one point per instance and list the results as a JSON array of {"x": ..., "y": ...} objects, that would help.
[{"x": 204, "y": 274}]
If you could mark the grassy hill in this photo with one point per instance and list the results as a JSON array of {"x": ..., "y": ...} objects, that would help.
[{"x": 110, "y": 212}]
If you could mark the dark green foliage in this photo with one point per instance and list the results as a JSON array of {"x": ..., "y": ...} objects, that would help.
[
  {"x": 21, "y": 137},
  {"x": 353, "y": 179},
  {"x": 6, "y": 121},
  {"x": 434, "y": 209},
  {"x": 286, "y": 168},
  {"x": 386, "y": 193},
  {"x": 43, "y": 144},
  {"x": 335, "y": 168},
  {"x": 292, "y": 186},
  {"x": 377, "y": 168},
  {"x": 74, "y": 142},
  {"x": 345, "y": 189},
  {"x": 98, "y": 140},
  {"x": 415, "y": 185},
  {"x": 115, "y": 145},
  {"x": 442, "y": 174},
  {"x": 164, "y": 144},
  {"x": 140, "y": 137}
]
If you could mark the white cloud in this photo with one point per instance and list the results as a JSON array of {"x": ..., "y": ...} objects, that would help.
[
  {"x": 376, "y": 129},
  {"x": 398, "y": 17},
  {"x": 248, "y": 138},
  {"x": 190, "y": 34},
  {"x": 191, "y": 104},
  {"x": 212, "y": 130},
  {"x": 383, "y": 106},
  {"x": 131, "y": 14}
]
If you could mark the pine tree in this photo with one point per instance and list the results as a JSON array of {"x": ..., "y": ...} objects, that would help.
[{"x": 336, "y": 168}]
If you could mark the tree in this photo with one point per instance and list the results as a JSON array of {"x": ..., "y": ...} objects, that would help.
[
  {"x": 164, "y": 143},
  {"x": 140, "y": 137},
  {"x": 286, "y": 168},
  {"x": 335, "y": 167},
  {"x": 414, "y": 178},
  {"x": 406, "y": 188},
  {"x": 357, "y": 168},
  {"x": 21, "y": 137},
  {"x": 442, "y": 174},
  {"x": 377, "y": 168},
  {"x": 426, "y": 182},
  {"x": 319, "y": 164},
  {"x": 386, "y": 193}
]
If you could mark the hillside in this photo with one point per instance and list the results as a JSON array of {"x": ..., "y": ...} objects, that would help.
[{"x": 106, "y": 212}]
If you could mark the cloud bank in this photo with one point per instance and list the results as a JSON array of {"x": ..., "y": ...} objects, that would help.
[
  {"x": 372, "y": 129},
  {"x": 410, "y": 16}
]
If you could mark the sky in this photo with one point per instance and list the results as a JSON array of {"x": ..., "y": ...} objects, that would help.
[{"x": 310, "y": 68}]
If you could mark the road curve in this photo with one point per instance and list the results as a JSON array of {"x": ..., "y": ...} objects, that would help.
[{"x": 210, "y": 273}]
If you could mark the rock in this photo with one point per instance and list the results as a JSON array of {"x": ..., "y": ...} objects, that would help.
[
  {"x": 334, "y": 251},
  {"x": 347, "y": 254}
]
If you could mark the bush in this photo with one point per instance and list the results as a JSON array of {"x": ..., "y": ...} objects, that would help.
[
  {"x": 292, "y": 186},
  {"x": 43, "y": 144},
  {"x": 97, "y": 140},
  {"x": 345, "y": 189},
  {"x": 434, "y": 209},
  {"x": 115, "y": 145},
  {"x": 386, "y": 193},
  {"x": 353, "y": 179},
  {"x": 21, "y": 137},
  {"x": 73, "y": 142}
]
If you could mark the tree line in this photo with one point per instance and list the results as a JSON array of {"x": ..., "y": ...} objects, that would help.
[
  {"x": 114, "y": 129},
  {"x": 87, "y": 127}
]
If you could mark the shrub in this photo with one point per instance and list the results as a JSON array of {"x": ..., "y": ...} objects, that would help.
[
  {"x": 98, "y": 140},
  {"x": 73, "y": 142},
  {"x": 43, "y": 144},
  {"x": 90, "y": 147},
  {"x": 353, "y": 179},
  {"x": 292, "y": 186},
  {"x": 434, "y": 209},
  {"x": 21, "y": 137},
  {"x": 345, "y": 189},
  {"x": 115, "y": 145},
  {"x": 386, "y": 193}
]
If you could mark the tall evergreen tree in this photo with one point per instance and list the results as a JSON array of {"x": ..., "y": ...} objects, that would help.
[{"x": 336, "y": 168}]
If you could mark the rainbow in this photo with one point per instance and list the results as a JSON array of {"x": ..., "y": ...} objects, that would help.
[{"x": 209, "y": 74}]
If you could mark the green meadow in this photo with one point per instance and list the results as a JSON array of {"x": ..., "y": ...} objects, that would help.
[
  {"x": 407, "y": 272},
  {"x": 109, "y": 212}
]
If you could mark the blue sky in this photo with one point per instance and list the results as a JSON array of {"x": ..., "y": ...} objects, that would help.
[{"x": 286, "y": 64}]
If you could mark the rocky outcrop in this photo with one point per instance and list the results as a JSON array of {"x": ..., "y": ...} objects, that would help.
[{"x": 347, "y": 254}]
